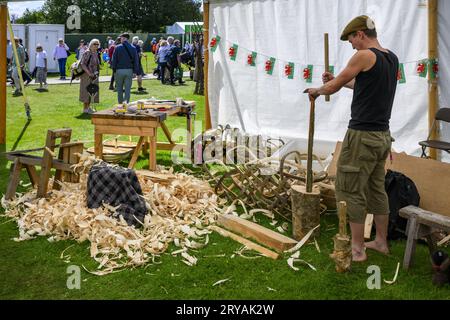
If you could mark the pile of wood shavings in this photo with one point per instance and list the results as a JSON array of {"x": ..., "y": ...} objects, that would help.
[{"x": 180, "y": 207}]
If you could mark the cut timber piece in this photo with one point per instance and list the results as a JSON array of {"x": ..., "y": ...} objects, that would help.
[
  {"x": 249, "y": 244},
  {"x": 156, "y": 177},
  {"x": 305, "y": 211},
  {"x": 254, "y": 231},
  {"x": 368, "y": 226}
]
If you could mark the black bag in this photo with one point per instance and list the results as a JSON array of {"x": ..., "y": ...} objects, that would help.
[{"x": 401, "y": 192}]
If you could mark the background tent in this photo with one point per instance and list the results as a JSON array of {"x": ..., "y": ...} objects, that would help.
[
  {"x": 186, "y": 29},
  {"x": 292, "y": 31}
]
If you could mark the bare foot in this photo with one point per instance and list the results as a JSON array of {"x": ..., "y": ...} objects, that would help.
[
  {"x": 377, "y": 246},
  {"x": 359, "y": 255}
]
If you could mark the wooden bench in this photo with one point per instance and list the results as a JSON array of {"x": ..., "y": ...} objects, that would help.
[
  {"x": 421, "y": 224},
  {"x": 67, "y": 156}
]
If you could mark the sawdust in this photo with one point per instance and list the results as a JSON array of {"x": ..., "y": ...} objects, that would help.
[{"x": 179, "y": 211}]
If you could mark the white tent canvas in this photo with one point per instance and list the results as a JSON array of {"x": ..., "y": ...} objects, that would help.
[
  {"x": 182, "y": 27},
  {"x": 292, "y": 31}
]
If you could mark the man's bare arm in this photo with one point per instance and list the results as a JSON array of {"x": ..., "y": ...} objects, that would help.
[{"x": 360, "y": 61}]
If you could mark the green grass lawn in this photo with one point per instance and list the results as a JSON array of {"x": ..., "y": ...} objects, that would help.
[{"x": 33, "y": 269}]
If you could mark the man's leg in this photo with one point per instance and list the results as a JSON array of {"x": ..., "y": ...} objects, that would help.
[
  {"x": 358, "y": 250},
  {"x": 15, "y": 77},
  {"x": 119, "y": 85},
  {"x": 63, "y": 63},
  {"x": 378, "y": 205},
  {"x": 380, "y": 243},
  {"x": 111, "y": 84},
  {"x": 128, "y": 83}
]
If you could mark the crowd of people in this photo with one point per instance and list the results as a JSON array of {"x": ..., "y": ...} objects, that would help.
[{"x": 122, "y": 55}]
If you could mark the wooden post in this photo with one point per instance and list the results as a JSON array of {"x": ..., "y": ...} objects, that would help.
[
  {"x": 327, "y": 59},
  {"x": 3, "y": 70},
  {"x": 432, "y": 54},
  {"x": 205, "y": 66},
  {"x": 342, "y": 253},
  {"x": 305, "y": 211},
  {"x": 309, "y": 171}
]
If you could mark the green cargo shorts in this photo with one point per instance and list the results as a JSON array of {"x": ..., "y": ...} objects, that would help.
[{"x": 361, "y": 174}]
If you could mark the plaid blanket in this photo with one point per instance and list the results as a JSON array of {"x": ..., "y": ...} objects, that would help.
[{"x": 116, "y": 186}]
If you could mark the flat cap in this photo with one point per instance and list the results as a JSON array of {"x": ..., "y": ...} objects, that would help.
[{"x": 358, "y": 24}]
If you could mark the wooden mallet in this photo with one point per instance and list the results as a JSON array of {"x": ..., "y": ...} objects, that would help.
[{"x": 342, "y": 254}]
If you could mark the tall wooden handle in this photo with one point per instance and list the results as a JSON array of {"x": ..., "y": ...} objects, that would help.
[
  {"x": 309, "y": 171},
  {"x": 327, "y": 59},
  {"x": 342, "y": 210}
]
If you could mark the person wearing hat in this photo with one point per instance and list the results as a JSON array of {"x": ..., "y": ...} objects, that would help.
[
  {"x": 125, "y": 64},
  {"x": 372, "y": 75},
  {"x": 60, "y": 54},
  {"x": 91, "y": 66}
]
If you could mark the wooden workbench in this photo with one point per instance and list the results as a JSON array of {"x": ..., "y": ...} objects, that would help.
[{"x": 143, "y": 124}]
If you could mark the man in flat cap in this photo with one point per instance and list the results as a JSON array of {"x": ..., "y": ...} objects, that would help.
[
  {"x": 125, "y": 65},
  {"x": 372, "y": 75}
]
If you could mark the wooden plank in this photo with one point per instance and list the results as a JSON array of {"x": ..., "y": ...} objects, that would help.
[
  {"x": 37, "y": 161},
  {"x": 131, "y": 131},
  {"x": 426, "y": 217},
  {"x": 13, "y": 180},
  {"x": 125, "y": 122},
  {"x": 251, "y": 245},
  {"x": 34, "y": 178},
  {"x": 46, "y": 164},
  {"x": 167, "y": 133},
  {"x": 433, "y": 96},
  {"x": 368, "y": 226},
  {"x": 136, "y": 152},
  {"x": 169, "y": 147},
  {"x": 98, "y": 141},
  {"x": 206, "y": 64},
  {"x": 3, "y": 71},
  {"x": 63, "y": 155},
  {"x": 154, "y": 176},
  {"x": 254, "y": 231},
  {"x": 411, "y": 241},
  {"x": 152, "y": 151}
]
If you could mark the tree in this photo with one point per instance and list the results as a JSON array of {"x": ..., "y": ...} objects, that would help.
[
  {"x": 31, "y": 16},
  {"x": 99, "y": 16}
]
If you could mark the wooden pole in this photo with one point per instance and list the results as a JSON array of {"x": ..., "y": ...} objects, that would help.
[
  {"x": 3, "y": 71},
  {"x": 309, "y": 171},
  {"x": 342, "y": 209},
  {"x": 432, "y": 54},
  {"x": 327, "y": 59},
  {"x": 205, "y": 66}
]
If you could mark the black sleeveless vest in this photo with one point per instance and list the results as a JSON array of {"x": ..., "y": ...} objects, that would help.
[{"x": 373, "y": 94}]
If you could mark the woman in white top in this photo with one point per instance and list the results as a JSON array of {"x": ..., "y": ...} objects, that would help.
[{"x": 41, "y": 67}]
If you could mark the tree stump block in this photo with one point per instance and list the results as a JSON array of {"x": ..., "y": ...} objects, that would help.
[{"x": 305, "y": 211}]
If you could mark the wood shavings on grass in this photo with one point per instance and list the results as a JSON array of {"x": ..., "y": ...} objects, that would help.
[
  {"x": 395, "y": 276},
  {"x": 317, "y": 245},
  {"x": 303, "y": 241},
  {"x": 180, "y": 209},
  {"x": 220, "y": 282},
  {"x": 295, "y": 258},
  {"x": 242, "y": 250}
]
